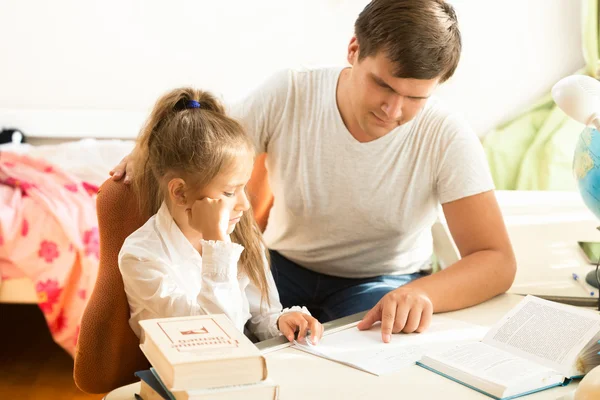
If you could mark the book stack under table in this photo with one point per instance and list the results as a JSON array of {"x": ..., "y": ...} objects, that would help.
[{"x": 199, "y": 358}]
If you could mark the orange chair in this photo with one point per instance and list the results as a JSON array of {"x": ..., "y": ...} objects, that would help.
[{"x": 108, "y": 351}]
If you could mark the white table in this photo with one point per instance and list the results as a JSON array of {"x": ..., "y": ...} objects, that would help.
[
  {"x": 303, "y": 376},
  {"x": 544, "y": 228}
]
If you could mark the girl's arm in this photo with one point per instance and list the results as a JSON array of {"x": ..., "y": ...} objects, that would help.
[
  {"x": 264, "y": 317},
  {"x": 148, "y": 279},
  {"x": 220, "y": 292}
]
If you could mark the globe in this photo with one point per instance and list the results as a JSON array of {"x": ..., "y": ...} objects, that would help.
[{"x": 586, "y": 167}]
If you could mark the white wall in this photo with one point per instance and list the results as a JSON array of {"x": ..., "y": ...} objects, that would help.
[
  {"x": 514, "y": 51},
  {"x": 66, "y": 65}
]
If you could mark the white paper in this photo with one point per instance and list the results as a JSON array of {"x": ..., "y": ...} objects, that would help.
[{"x": 366, "y": 351}]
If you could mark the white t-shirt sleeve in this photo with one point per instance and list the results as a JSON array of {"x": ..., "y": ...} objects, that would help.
[
  {"x": 261, "y": 111},
  {"x": 462, "y": 169}
]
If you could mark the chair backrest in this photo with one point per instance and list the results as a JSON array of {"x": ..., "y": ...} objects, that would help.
[{"x": 108, "y": 351}]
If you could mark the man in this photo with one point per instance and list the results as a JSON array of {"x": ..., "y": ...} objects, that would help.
[{"x": 359, "y": 159}]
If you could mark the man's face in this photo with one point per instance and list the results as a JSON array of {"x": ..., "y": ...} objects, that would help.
[{"x": 380, "y": 101}]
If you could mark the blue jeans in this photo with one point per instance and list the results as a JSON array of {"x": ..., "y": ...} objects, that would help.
[{"x": 329, "y": 297}]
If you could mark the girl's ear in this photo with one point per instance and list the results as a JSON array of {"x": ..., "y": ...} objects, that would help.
[{"x": 177, "y": 191}]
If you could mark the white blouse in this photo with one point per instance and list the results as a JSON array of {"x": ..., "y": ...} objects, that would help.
[{"x": 165, "y": 276}]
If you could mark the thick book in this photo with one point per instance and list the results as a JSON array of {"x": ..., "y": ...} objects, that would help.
[
  {"x": 539, "y": 344},
  {"x": 201, "y": 352},
  {"x": 152, "y": 388}
]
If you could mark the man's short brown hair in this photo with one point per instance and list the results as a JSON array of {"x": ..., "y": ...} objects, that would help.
[{"x": 420, "y": 37}]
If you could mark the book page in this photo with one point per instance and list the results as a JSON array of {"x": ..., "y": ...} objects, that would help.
[
  {"x": 491, "y": 370},
  {"x": 366, "y": 351},
  {"x": 548, "y": 333},
  {"x": 490, "y": 363}
]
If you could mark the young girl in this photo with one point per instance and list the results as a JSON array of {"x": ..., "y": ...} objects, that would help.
[{"x": 201, "y": 251}]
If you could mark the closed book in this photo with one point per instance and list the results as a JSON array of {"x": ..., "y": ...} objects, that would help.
[{"x": 201, "y": 352}]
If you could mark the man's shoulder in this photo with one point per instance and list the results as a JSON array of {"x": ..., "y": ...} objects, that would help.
[
  {"x": 309, "y": 75},
  {"x": 287, "y": 82},
  {"x": 438, "y": 116},
  {"x": 437, "y": 108},
  {"x": 299, "y": 87}
]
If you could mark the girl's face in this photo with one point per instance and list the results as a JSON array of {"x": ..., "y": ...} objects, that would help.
[{"x": 230, "y": 186}]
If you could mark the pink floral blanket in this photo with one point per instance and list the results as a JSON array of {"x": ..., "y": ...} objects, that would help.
[{"x": 49, "y": 232}]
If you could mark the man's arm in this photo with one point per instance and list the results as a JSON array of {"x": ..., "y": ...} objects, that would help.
[
  {"x": 259, "y": 192},
  {"x": 488, "y": 264},
  {"x": 487, "y": 268}
]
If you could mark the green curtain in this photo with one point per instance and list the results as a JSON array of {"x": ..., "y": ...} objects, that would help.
[
  {"x": 535, "y": 150},
  {"x": 590, "y": 36}
]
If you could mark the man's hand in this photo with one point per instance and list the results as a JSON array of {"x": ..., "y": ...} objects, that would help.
[
  {"x": 405, "y": 310},
  {"x": 123, "y": 170},
  {"x": 291, "y": 322}
]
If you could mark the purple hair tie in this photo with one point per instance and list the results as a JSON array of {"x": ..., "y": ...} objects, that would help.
[{"x": 193, "y": 104}]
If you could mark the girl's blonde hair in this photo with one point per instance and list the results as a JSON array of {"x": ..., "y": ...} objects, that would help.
[{"x": 196, "y": 144}]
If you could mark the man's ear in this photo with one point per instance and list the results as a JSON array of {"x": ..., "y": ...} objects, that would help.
[
  {"x": 353, "y": 49},
  {"x": 177, "y": 189}
]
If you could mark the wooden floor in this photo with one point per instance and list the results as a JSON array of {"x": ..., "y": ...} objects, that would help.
[{"x": 32, "y": 366}]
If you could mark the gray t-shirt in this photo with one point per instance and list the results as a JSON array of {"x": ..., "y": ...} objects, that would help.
[{"x": 352, "y": 209}]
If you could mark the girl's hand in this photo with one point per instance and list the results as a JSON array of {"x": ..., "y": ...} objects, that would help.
[
  {"x": 291, "y": 322},
  {"x": 210, "y": 217}
]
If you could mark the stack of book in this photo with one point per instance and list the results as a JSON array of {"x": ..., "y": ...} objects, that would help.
[{"x": 200, "y": 358}]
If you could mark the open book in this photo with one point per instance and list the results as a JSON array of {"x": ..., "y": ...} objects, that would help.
[{"x": 538, "y": 345}]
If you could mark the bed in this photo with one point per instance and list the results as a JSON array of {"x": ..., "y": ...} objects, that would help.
[{"x": 87, "y": 159}]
